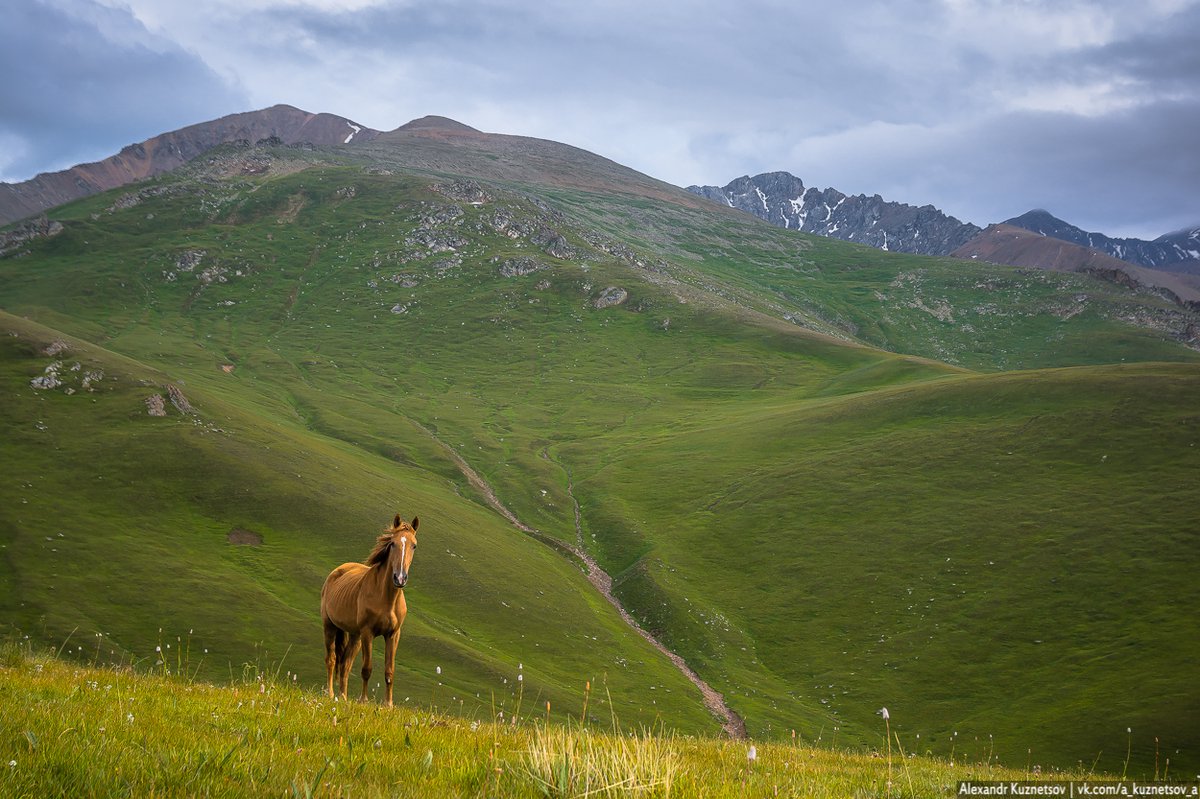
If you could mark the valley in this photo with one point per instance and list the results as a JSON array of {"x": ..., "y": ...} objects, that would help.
[{"x": 827, "y": 477}]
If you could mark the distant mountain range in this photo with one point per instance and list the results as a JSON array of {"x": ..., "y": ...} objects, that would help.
[
  {"x": 1174, "y": 252},
  {"x": 1017, "y": 246},
  {"x": 777, "y": 197},
  {"x": 782, "y": 199}
]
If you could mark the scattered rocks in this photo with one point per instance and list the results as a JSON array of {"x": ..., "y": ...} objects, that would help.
[
  {"x": 515, "y": 267},
  {"x": 257, "y": 164},
  {"x": 399, "y": 309},
  {"x": 346, "y": 193},
  {"x": 502, "y": 221},
  {"x": 178, "y": 400},
  {"x": 56, "y": 347},
  {"x": 542, "y": 285},
  {"x": 610, "y": 297},
  {"x": 213, "y": 274},
  {"x": 436, "y": 240},
  {"x": 156, "y": 405},
  {"x": 49, "y": 379},
  {"x": 553, "y": 243},
  {"x": 57, "y": 376},
  {"x": 37, "y": 228},
  {"x": 188, "y": 260},
  {"x": 134, "y": 199},
  {"x": 467, "y": 191},
  {"x": 443, "y": 265},
  {"x": 439, "y": 216}
]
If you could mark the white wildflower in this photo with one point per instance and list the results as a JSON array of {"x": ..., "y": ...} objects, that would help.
[{"x": 752, "y": 755}]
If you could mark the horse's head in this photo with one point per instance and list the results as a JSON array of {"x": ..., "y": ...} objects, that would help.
[{"x": 394, "y": 550}]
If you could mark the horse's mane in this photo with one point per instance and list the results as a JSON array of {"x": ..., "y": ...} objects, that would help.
[{"x": 379, "y": 553}]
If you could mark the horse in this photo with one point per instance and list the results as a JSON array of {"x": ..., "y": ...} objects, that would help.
[{"x": 360, "y": 601}]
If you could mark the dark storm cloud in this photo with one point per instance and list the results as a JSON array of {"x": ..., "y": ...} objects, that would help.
[{"x": 79, "y": 87}]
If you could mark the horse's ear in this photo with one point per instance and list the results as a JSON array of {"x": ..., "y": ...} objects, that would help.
[
  {"x": 397, "y": 521},
  {"x": 414, "y": 524}
]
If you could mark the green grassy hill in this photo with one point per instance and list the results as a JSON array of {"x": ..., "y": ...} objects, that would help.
[
  {"x": 84, "y": 731},
  {"x": 809, "y": 466}
]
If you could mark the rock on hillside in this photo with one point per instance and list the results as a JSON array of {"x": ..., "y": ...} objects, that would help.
[
  {"x": 781, "y": 199},
  {"x": 170, "y": 150},
  {"x": 1174, "y": 252}
]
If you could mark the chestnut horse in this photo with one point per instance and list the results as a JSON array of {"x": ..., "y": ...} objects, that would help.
[{"x": 359, "y": 602}]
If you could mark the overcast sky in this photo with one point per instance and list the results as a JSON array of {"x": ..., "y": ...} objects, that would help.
[{"x": 984, "y": 108}]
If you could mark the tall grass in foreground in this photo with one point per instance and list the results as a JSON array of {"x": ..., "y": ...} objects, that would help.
[
  {"x": 565, "y": 761},
  {"x": 72, "y": 730}
]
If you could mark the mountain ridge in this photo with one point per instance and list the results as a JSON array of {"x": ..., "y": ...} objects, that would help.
[
  {"x": 1012, "y": 245},
  {"x": 782, "y": 199},
  {"x": 1178, "y": 251},
  {"x": 170, "y": 150}
]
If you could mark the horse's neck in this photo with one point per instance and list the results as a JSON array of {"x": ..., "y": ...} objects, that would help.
[{"x": 380, "y": 580}]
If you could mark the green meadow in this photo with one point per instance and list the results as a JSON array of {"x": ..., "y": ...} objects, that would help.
[
  {"x": 82, "y": 731},
  {"x": 832, "y": 479}
]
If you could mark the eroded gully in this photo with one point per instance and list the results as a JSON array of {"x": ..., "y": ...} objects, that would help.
[{"x": 731, "y": 722}]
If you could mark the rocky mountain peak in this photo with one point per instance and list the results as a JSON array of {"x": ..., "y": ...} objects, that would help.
[{"x": 782, "y": 199}]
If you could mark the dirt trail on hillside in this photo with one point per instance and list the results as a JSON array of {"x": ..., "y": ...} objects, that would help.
[{"x": 731, "y": 722}]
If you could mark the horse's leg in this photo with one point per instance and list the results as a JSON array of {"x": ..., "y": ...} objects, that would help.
[
  {"x": 367, "y": 638},
  {"x": 389, "y": 661},
  {"x": 346, "y": 662},
  {"x": 331, "y": 649}
]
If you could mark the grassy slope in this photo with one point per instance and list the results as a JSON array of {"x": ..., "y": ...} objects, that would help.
[
  {"x": 726, "y": 420},
  {"x": 94, "y": 732},
  {"x": 998, "y": 556},
  {"x": 118, "y": 523}
]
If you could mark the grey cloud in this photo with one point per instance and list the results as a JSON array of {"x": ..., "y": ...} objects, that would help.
[{"x": 71, "y": 93}]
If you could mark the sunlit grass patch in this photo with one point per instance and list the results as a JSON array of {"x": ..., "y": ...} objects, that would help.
[
  {"x": 574, "y": 761},
  {"x": 71, "y": 730}
]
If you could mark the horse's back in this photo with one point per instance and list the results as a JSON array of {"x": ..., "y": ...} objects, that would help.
[{"x": 340, "y": 588}]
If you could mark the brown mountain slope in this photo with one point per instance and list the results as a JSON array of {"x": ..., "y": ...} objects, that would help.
[
  {"x": 170, "y": 150},
  {"x": 443, "y": 146},
  {"x": 1008, "y": 244}
]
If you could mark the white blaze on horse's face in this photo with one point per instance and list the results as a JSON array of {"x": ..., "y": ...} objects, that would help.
[{"x": 404, "y": 544}]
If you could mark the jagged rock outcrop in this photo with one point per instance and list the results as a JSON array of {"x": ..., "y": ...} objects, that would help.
[
  {"x": 36, "y": 228},
  {"x": 782, "y": 199},
  {"x": 610, "y": 297},
  {"x": 155, "y": 405},
  {"x": 178, "y": 400}
]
